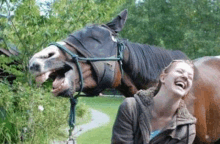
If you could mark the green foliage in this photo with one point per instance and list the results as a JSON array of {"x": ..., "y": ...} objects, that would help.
[
  {"x": 190, "y": 26},
  {"x": 82, "y": 109},
  {"x": 7, "y": 66},
  {"x": 29, "y": 32},
  {"x": 22, "y": 116}
]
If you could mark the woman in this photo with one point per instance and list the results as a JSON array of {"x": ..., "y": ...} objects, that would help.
[{"x": 159, "y": 115}]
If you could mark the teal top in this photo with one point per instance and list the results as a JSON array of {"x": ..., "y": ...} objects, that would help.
[{"x": 154, "y": 133}]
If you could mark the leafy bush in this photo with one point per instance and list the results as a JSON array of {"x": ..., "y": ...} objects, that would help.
[
  {"x": 81, "y": 109},
  {"x": 31, "y": 114}
]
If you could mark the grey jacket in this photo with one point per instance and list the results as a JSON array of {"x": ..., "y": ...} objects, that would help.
[{"x": 132, "y": 124}]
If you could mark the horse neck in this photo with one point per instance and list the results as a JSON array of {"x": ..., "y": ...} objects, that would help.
[{"x": 143, "y": 63}]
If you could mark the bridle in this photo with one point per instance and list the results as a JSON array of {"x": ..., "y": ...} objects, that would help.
[{"x": 76, "y": 59}]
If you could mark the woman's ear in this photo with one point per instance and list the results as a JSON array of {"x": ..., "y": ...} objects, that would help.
[{"x": 162, "y": 77}]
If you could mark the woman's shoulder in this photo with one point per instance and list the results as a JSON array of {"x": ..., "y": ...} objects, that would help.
[
  {"x": 183, "y": 115},
  {"x": 141, "y": 100},
  {"x": 145, "y": 97},
  {"x": 129, "y": 102}
]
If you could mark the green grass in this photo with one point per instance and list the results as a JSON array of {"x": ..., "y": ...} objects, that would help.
[{"x": 101, "y": 135}]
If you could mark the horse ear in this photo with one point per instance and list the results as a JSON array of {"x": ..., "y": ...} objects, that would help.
[{"x": 117, "y": 23}]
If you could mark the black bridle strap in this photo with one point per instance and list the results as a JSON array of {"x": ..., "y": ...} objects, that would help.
[
  {"x": 187, "y": 134},
  {"x": 73, "y": 102},
  {"x": 121, "y": 48},
  {"x": 85, "y": 59},
  {"x": 76, "y": 59}
]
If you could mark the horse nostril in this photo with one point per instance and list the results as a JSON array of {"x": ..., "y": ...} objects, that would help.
[
  {"x": 50, "y": 54},
  {"x": 35, "y": 67}
]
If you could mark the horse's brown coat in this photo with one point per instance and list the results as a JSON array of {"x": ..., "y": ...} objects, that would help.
[{"x": 206, "y": 90}]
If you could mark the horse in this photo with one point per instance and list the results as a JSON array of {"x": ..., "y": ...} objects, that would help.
[{"x": 94, "y": 58}]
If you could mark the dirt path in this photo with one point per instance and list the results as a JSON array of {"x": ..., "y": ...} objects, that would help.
[{"x": 98, "y": 119}]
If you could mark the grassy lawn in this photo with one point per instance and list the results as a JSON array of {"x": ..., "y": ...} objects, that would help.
[{"x": 101, "y": 135}]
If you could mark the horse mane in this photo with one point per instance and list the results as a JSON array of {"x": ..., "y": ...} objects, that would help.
[{"x": 146, "y": 62}]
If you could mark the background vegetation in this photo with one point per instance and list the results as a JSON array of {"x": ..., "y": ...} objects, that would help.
[
  {"x": 191, "y": 26},
  {"x": 28, "y": 28}
]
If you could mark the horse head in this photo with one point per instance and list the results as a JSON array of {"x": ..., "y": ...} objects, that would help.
[{"x": 68, "y": 72}]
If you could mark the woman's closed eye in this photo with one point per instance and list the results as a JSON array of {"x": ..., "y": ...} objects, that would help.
[
  {"x": 189, "y": 74},
  {"x": 190, "y": 77},
  {"x": 180, "y": 71}
]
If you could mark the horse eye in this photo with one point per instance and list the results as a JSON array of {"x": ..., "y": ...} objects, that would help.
[{"x": 50, "y": 54}]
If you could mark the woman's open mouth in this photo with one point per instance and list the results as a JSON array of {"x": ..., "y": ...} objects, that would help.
[{"x": 181, "y": 84}]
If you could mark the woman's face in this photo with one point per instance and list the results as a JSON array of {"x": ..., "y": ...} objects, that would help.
[{"x": 179, "y": 79}]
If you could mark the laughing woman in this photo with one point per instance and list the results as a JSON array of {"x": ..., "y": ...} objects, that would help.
[{"x": 159, "y": 115}]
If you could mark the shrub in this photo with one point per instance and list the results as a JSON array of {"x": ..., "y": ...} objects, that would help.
[{"x": 31, "y": 114}]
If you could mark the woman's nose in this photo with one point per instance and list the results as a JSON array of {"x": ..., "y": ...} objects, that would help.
[{"x": 185, "y": 75}]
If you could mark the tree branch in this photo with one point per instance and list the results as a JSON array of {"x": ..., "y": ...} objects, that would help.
[
  {"x": 15, "y": 29},
  {"x": 2, "y": 15}
]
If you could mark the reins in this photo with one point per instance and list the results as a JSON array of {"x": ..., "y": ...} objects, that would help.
[{"x": 76, "y": 59}]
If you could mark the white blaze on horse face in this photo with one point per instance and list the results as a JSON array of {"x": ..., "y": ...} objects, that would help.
[{"x": 40, "y": 58}]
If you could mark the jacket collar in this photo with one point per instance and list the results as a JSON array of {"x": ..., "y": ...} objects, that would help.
[{"x": 182, "y": 116}]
